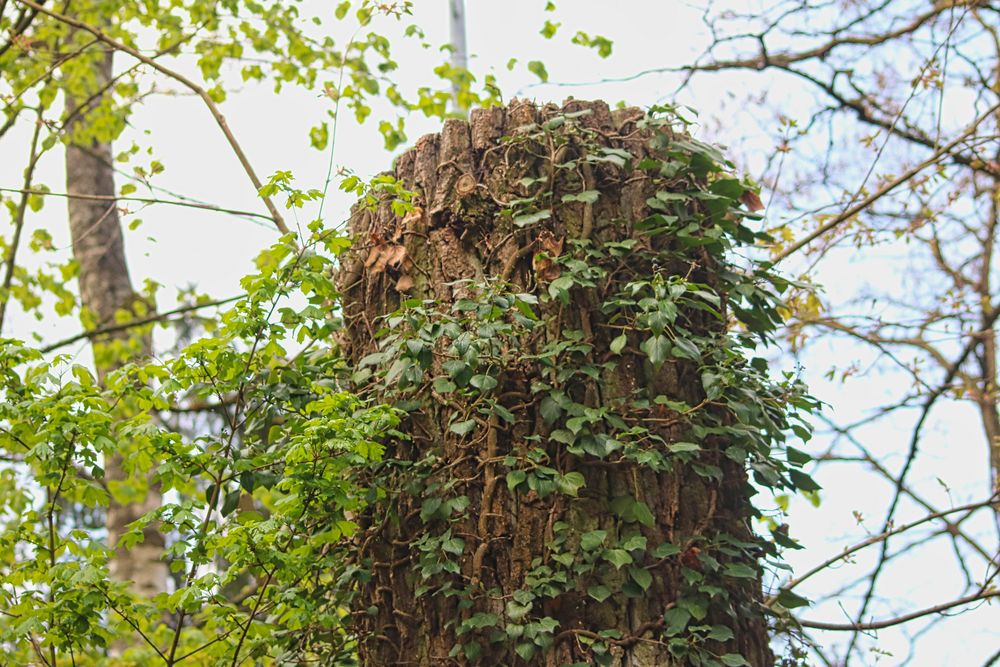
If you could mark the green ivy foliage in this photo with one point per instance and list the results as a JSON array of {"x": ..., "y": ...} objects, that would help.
[{"x": 716, "y": 320}]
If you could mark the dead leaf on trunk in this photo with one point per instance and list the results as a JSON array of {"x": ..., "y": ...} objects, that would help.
[
  {"x": 752, "y": 201},
  {"x": 412, "y": 219},
  {"x": 404, "y": 284},
  {"x": 546, "y": 269},
  {"x": 381, "y": 256}
]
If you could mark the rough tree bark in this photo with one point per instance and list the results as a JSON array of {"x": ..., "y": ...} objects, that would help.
[
  {"x": 463, "y": 177},
  {"x": 106, "y": 290}
]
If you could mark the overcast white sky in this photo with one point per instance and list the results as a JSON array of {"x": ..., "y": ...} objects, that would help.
[{"x": 180, "y": 246}]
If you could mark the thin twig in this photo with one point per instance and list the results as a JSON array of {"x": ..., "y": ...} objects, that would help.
[{"x": 279, "y": 221}]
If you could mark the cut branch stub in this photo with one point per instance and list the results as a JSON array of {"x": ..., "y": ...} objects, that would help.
[{"x": 571, "y": 485}]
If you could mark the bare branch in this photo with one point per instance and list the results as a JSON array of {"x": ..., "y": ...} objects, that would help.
[
  {"x": 160, "y": 317},
  {"x": 144, "y": 200},
  {"x": 888, "y": 623}
]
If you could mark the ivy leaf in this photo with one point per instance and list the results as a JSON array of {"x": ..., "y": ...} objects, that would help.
[
  {"x": 515, "y": 478},
  {"x": 733, "y": 660},
  {"x": 462, "y": 428},
  {"x": 677, "y": 619},
  {"x": 740, "y": 571},
  {"x": 802, "y": 481},
  {"x": 618, "y": 344},
  {"x": 720, "y": 633},
  {"x": 453, "y": 545},
  {"x": 593, "y": 539},
  {"x": 634, "y": 542},
  {"x": 570, "y": 483},
  {"x": 483, "y": 382},
  {"x": 516, "y": 610},
  {"x": 444, "y": 386},
  {"x": 790, "y": 600},
  {"x": 599, "y": 593},
  {"x": 526, "y": 650},
  {"x": 526, "y": 219},
  {"x": 684, "y": 348},
  {"x": 666, "y": 549},
  {"x": 657, "y": 348},
  {"x": 641, "y": 576},
  {"x": 587, "y": 197},
  {"x": 618, "y": 558},
  {"x": 429, "y": 508},
  {"x": 643, "y": 515},
  {"x": 550, "y": 410}
]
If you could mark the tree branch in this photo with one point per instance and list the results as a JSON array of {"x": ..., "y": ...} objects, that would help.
[
  {"x": 888, "y": 623},
  {"x": 94, "y": 333},
  {"x": 279, "y": 221}
]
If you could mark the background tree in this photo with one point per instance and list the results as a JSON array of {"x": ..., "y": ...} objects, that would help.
[{"x": 884, "y": 117}]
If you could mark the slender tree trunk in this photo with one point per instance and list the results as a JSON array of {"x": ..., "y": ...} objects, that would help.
[
  {"x": 457, "y": 34},
  {"x": 106, "y": 290},
  {"x": 485, "y": 584}
]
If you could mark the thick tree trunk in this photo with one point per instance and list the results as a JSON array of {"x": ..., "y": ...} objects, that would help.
[
  {"x": 524, "y": 575},
  {"x": 105, "y": 291}
]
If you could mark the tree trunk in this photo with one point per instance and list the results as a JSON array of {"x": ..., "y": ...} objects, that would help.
[
  {"x": 106, "y": 291},
  {"x": 541, "y": 508}
]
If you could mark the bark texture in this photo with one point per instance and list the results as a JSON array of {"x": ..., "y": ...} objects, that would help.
[
  {"x": 106, "y": 292},
  {"x": 464, "y": 176}
]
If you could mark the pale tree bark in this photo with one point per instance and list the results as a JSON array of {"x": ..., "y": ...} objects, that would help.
[
  {"x": 106, "y": 289},
  {"x": 457, "y": 35}
]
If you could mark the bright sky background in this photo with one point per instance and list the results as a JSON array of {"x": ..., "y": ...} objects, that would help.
[{"x": 181, "y": 246}]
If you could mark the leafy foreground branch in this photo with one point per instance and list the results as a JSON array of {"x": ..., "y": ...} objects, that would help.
[{"x": 527, "y": 441}]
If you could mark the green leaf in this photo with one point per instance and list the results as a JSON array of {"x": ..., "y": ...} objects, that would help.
[
  {"x": 802, "y": 481},
  {"x": 454, "y": 546},
  {"x": 593, "y": 539},
  {"x": 797, "y": 456},
  {"x": 643, "y": 515},
  {"x": 429, "y": 508},
  {"x": 641, "y": 576},
  {"x": 570, "y": 483},
  {"x": 550, "y": 410},
  {"x": 720, "y": 633},
  {"x": 537, "y": 67},
  {"x": 587, "y": 197},
  {"x": 483, "y": 382},
  {"x": 515, "y": 478},
  {"x": 444, "y": 385},
  {"x": 618, "y": 557},
  {"x": 657, "y": 348},
  {"x": 677, "y": 619},
  {"x": 526, "y": 219},
  {"x": 733, "y": 660},
  {"x": 599, "y": 593},
  {"x": 462, "y": 428},
  {"x": 618, "y": 344},
  {"x": 740, "y": 571},
  {"x": 686, "y": 349},
  {"x": 635, "y": 542},
  {"x": 790, "y": 600}
]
